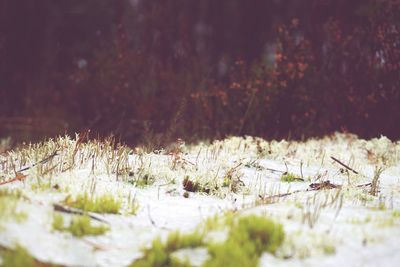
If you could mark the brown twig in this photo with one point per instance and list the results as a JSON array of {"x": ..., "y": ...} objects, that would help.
[
  {"x": 18, "y": 177},
  {"x": 312, "y": 187},
  {"x": 344, "y": 165}
]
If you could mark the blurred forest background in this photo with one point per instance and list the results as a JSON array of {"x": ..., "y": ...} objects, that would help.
[{"x": 161, "y": 69}]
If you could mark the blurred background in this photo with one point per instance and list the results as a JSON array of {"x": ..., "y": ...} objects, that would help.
[{"x": 156, "y": 70}]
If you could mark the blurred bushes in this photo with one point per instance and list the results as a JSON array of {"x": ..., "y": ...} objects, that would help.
[{"x": 164, "y": 69}]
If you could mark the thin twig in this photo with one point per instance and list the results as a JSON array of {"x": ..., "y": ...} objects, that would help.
[
  {"x": 40, "y": 162},
  {"x": 18, "y": 177},
  {"x": 61, "y": 208},
  {"x": 344, "y": 165},
  {"x": 273, "y": 170}
]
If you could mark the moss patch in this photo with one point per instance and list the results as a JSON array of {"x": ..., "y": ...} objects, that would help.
[
  {"x": 290, "y": 177},
  {"x": 248, "y": 238},
  {"x": 101, "y": 204},
  {"x": 79, "y": 226},
  {"x": 159, "y": 254},
  {"x": 19, "y": 257},
  {"x": 8, "y": 206}
]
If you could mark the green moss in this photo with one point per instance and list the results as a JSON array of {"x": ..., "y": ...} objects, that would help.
[
  {"x": 9, "y": 206},
  {"x": 58, "y": 222},
  {"x": 396, "y": 213},
  {"x": 329, "y": 249},
  {"x": 133, "y": 209},
  {"x": 19, "y": 257},
  {"x": 101, "y": 204},
  {"x": 40, "y": 186},
  {"x": 387, "y": 222},
  {"x": 264, "y": 233},
  {"x": 231, "y": 253},
  {"x": 290, "y": 177},
  {"x": 14, "y": 193},
  {"x": 144, "y": 180},
  {"x": 159, "y": 254},
  {"x": 79, "y": 226},
  {"x": 248, "y": 238}
]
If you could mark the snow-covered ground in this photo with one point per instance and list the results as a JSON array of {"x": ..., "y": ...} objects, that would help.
[{"x": 330, "y": 213}]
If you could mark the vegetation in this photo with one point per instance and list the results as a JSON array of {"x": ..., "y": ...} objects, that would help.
[
  {"x": 79, "y": 226},
  {"x": 290, "y": 177},
  {"x": 265, "y": 68},
  {"x": 101, "y": 204},
  {"x": 18, "y": 257},
  {"x": 9, "y": 206},
  {"x": 248, "y": 238},
  {"x": 159, "y": 254}
]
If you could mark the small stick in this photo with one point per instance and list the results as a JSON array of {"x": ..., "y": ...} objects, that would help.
[
  {"x": 273, "y": 170},
  {"x": 344, "y": 165},
  {"x": 40, "y": 162},
  {"x": 18, "y": 177},
  {"x": 60, "y": 208}
]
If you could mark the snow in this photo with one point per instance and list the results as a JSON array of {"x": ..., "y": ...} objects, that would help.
[{"x": 347, "y": 220}]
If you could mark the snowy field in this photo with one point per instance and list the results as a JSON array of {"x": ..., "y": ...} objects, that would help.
[{"x": 337, "y": 200}]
